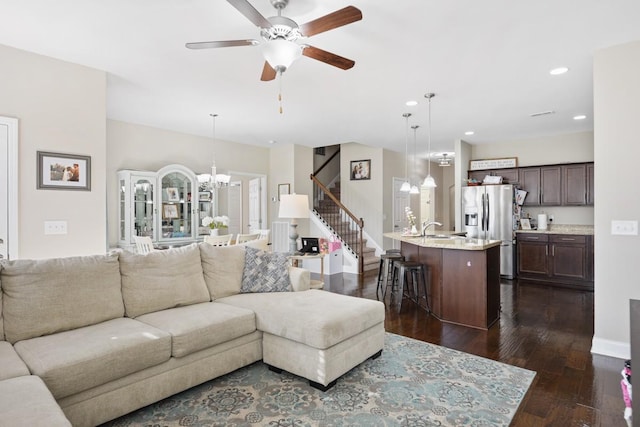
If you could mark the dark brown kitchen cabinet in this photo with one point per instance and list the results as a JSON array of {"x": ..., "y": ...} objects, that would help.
[
  {"x": 530, "y": 182},
  {"x": 574, "y": 183},
  {"x": 509, "y": 176},
  {"x": 562, "y": 259},
  {"x": 551, "y": 186},
  {"x": 533, "y": 254},
  {"x": 590, "y": 171}
]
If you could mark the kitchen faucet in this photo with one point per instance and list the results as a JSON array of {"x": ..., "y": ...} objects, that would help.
[{"x": 427, "y": 224}]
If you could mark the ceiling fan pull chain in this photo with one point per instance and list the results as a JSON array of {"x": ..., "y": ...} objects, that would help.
[{"x": 280, "y": 91}]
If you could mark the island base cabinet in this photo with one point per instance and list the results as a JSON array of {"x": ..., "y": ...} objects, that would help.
[{"x": 471, "y": 285}]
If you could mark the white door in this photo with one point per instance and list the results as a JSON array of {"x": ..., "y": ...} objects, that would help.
[
  {"x": 427, "y": 204},
  {"x": 256, "y": 213},
  {"x": 400, "y": 201},
  {"x": 234, "y": 206},
  {"x": 8, "y": 188}
]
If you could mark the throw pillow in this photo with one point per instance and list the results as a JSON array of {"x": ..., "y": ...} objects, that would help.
[{"x": 265, "y": 272}]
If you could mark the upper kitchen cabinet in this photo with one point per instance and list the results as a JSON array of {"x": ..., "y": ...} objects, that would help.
[
  {"x": 574, "y": 181},
  {"x": 550, "y": 186},
  {"x": 530, "y": 182},
  {"x": 509, "y": 176},
  {"x": 590, "y": 171}
]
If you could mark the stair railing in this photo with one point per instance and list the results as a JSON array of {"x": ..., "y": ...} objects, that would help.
[{"x": 344, "y": 224}]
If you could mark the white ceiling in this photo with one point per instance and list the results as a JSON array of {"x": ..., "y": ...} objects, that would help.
[{"x": 488, "y": 62}]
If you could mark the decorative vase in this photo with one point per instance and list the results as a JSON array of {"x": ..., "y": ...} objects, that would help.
[
  {"x": 414, "y": 230},
  {"x": 214, "y": 232}
]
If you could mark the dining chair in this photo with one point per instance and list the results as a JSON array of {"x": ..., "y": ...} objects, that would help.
[
  {"x": 224, "y": 240},
  {"x": 241, "y": 238},
  {"x": 144, "y": 244},
  {"x": 264, "y": 233}
]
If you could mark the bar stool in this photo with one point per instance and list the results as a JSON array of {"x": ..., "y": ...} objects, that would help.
[
  {"x": 385, "y": 270},
  {"x": 402, "y": 271}
]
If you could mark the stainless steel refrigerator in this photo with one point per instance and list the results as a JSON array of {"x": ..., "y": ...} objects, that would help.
[{"x": 488, "y": 213}]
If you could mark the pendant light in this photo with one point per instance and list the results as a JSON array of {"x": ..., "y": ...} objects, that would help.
[
  {"x": 414, "y": 188},
  {"x": 217, "y": 180},
  {"x": 429, "y": 182},
  {"x": 406, "y": 187}
]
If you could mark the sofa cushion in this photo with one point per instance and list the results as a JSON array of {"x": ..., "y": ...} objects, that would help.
[
  {"x": 222, "y": 267},
  {"x": 42, "y": 297},
  {"x": 10, "y": 363},
  {"x": 316, "y": 318},
  {"x": 201, "y": 326},
  {"x": 26, "y": 402},
  {"x": 77, "y": 360},
  {"x": 265, "y": 272},
  {"x": 162, "y": 279}
]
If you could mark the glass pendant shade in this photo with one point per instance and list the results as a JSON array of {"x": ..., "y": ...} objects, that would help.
[
  {"x": 414, "y": 190},
  {"x": 405, "y": 187},
  {"x": 429, "y": 182},
  {"x": 281, "y": 53}
]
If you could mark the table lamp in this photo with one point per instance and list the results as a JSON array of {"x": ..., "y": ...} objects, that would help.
[{"x": 294, "y": 206}]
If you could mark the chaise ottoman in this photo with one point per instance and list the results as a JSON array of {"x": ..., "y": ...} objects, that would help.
[{"x": 315, "y": 334}]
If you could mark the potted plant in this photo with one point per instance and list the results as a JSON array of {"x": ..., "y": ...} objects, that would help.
[{"x": 216, "y": 224}]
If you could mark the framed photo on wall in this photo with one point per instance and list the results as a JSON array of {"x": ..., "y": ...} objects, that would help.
[
  {"x": 58, "y": 171},
  {"x": 360, "y": 169},
  {"x": 283, "y": 189}
]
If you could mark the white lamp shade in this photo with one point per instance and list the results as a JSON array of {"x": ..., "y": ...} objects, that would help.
[
  {"x": 429, "y": 182},
  {"x": 414, "y": 190},
  {"x": 405, "y": 187},
  {"x": 281, "y": 53},
  {"x": 294, "y": 206}
]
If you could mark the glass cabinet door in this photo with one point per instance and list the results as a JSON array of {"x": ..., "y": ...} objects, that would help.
[
  {"x": 143, "y": 218},
  {"x": 176, "y": 217}
]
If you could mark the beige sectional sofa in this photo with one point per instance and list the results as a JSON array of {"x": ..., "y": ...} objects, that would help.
[{"x": 84, "y": 340}]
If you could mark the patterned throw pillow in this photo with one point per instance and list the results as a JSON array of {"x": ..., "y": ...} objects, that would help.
[{"x": 265, "y": 272}]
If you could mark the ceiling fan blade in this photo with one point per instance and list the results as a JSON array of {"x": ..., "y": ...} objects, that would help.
[
  {"x": 268, "y": 73},
  {"x": 222, "y": 43},
  {"x": 327, "y": 57},
  {"x": 250, "y": 12},
  {"x": 333, "y": 20}
]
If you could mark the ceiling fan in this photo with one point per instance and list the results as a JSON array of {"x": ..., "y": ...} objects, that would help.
[{"x": 280, "y": 36}]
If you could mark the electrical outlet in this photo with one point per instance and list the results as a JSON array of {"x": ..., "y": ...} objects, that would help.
[
  {"x": 627, "y": 228},
  {"x": 550, "y": 218},
  {"x": 55, "y": 227}
]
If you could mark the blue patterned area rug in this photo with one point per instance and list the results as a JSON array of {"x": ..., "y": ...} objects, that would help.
[{"x": 413, "y": 383}]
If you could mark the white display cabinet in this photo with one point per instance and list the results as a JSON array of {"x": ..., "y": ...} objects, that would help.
[
  {"x": 167, "y": 205},
  {"x": 137, "y": 207}
]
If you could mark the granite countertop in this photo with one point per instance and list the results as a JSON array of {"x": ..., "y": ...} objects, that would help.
[
  {"x": 563, "y": 229},
  {"x": 445, "y": 240}
]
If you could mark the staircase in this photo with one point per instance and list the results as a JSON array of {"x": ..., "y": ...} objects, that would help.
[{"x": 330, "y": 214}]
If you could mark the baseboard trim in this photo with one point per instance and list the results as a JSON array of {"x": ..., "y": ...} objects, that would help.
[{"x": 621, "y": 350}]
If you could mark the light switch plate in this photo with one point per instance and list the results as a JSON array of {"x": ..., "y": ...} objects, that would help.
[
  {"x": 55, "y": 227},
  {"x": 625, "y": 228}
]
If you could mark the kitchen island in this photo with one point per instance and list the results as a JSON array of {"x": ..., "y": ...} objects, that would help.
[{"x": 463, "y": 276}]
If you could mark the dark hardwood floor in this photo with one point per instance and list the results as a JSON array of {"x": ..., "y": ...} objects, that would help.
[{"x": 541, "y": 328}]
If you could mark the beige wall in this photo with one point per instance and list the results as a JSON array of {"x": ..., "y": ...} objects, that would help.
[
  {"x": 616, "y": 112},
  {"x": 132, "y": 146},
  {"x": 61, "y": 108},
  {"x": 364, "y": 198}
]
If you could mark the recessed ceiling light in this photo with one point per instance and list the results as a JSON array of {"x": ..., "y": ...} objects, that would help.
[
  {"x": 469, "y": 132},
  {"x": 271, "y": 141},
  {"x": 411, "y": 103},
  {"x": 558, "y": 71},
  {"x": 579, "y": 117}
]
